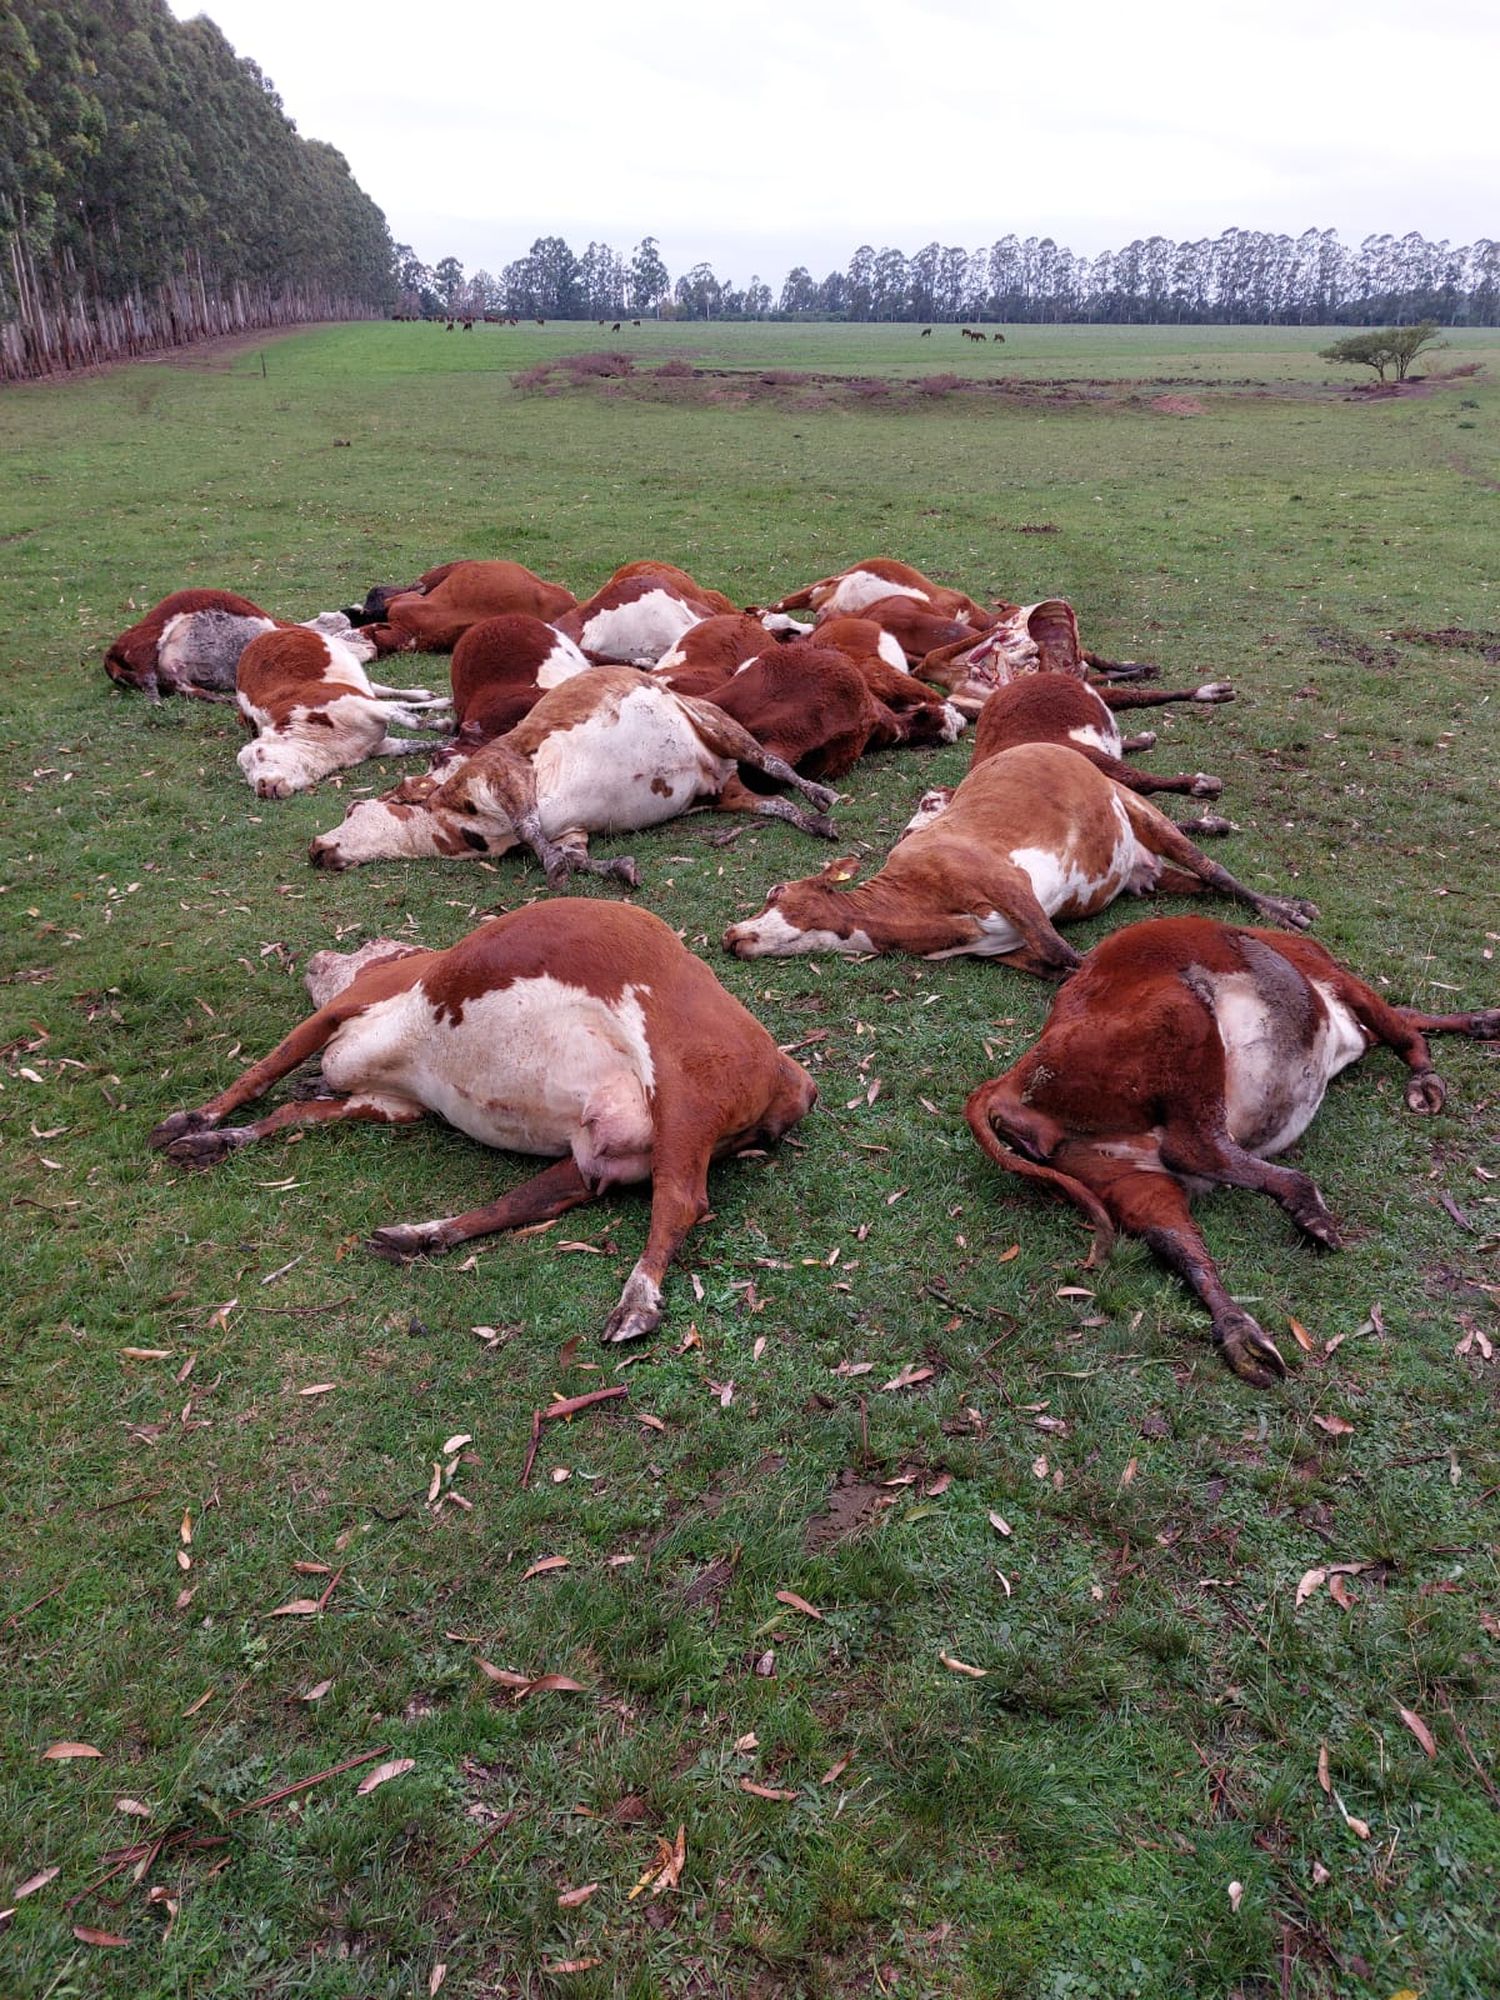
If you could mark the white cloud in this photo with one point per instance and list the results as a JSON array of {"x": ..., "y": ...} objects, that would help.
[{"x": 761, "y": 137}]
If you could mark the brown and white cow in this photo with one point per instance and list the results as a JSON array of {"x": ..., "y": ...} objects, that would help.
[
  {"x": 315, "y": 710},
  {"x": 633, "y": 620},
  {"x": 190, "y": 643},
  {"x": 609, "y": 751},
  {"x": 500, "y": 671},
  {"x": 1041, "y": 638},
  {"x": 923, "y": 712},
  {"x": 810, "y": 706},
  {"x": 850, "y": 590},
  {"x": 1032, "y": 834},
  {"x": 433, "y": 619},
  {"x": 1184, "y": 1054},
  {"x": 709, "y": 652},
  {"x": 583, "y": 1032},
  {"x": 379, "y": 595}
]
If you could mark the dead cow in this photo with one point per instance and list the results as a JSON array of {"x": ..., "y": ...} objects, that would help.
[
  {"x": 434, "y": 616},
  {"x": 637, "y": 617},
  {"x": 1032, "y": 834},
  {"x": 1184, "y": 1054},
  {"x": 501, "y": 669},
  {"x": 863, "y": 583},
  {"x": 607, "y": 751},
  {"x": 315, "y": 710},
  {"x": 190, "y": 643},
  {"x": 583, "y": 1032}
]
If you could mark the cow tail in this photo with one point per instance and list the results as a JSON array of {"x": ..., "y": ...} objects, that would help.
[{"x": 985, "y": 1115}]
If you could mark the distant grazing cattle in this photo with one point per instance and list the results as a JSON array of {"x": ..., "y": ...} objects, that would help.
[
  {"x": 1032, "y": 834},
  {"x": 608, "y": 751},
  {"x": 864, "y": 583},
  {"x": 314, "y": 710},
  {"x": 433, "y": 618},
  {"x": 927, "y": 333},
  {"x": 190, "y": 643},
  {"x": 1185, "y": 1053},
  {"x": 582, "y": 1032}
]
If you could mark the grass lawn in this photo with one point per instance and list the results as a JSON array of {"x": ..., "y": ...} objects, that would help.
[{"x": 1128, "y": 1802}]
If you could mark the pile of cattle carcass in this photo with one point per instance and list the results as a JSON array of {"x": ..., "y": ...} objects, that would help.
[{"x": 1180, "y": 1053}]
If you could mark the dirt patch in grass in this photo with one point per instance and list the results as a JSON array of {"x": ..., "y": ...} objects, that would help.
[
  {"x": 1179, "y": 406},
  {"x": 1453, "y": 639},
  {"x": 853, "y": 1504}
]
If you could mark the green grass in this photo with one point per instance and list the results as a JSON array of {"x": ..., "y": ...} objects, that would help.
[{"x": 1149, "y": 1725}]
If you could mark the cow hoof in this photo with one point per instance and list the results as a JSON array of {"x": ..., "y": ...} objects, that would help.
[
  {"x": 1144, "y": 739},
  {"x": 1293, "y": 913},
  {"x": 1485, "y": 1026},
  {"x": 1214, "y": 691},
  {"x": 178, "y": 1126},
  {"x": 1315, "y": 1221},
  {"x": 202, "y": 1149},
  {"x": 400, "y": 1242},
  {"x": 821, "y": 796},
  {"x": 1425, "y": 1093},
  {"x": 624, "y": 870},
  {"x": 1205, "y": 786},
  {"x": 1208, "y": 825},
  {"x": 1251, "y": 1353},
  {"x": 629, "y": 1323},
  {"x": 821, "y": 825}
]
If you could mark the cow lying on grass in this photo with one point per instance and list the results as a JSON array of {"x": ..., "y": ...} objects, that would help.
[
  {"x": 434, "y": 616},
  {"x": 190, "y": 643},
  {"x": 849, "y": 591},
  {"x": 1042, "y": 638},
  {"x": 582, "y": 1032},
  {"x": 501, "y": 669},
  {"x": 1181, "y": 1055},
  {"x": 314, "y": 710},
  {"x": 608, "y": 751},
  {"x": 1032, "y": 834}
]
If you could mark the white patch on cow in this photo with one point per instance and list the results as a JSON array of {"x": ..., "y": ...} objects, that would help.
[
  {"x": 890, "y": 650},
  {"x": 1096, "y": 739},
  {"x": 770, "y": 935},
  {"x": 955, "y": 722},
  {"x": 782, "y": 621},
  {"x": 638, "y": 633},
  {"x": 561, "y": 663},
  {"x": 634, "y": 766},
  {"x": 1060, "y": 886},
  {"x": 1273, "y": 1086},
  {"x": 860, "y": 587},
  {"x": 539, "y": 1066},
  {"x": 291, "y": 755}
]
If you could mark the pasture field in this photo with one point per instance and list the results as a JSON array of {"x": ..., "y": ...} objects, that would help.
[{"x": 1128, "y": 1802}]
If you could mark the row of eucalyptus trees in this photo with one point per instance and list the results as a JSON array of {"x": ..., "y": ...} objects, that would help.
[{"x": 1241, "y": 277}]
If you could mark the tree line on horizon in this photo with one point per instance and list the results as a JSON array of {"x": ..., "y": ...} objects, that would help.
[
  {"x": 1242, "y": 277},
  {"x": 153, "y": 189}
]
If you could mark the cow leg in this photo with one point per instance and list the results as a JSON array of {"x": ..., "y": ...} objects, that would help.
[
  {"x": 679, "y": 1198},
  {"x": 545, "y": 1196},
  {"x": 403, "y": 746},
  {"x": 1404, "y": 1029},
  {"x": 721, "y": 734},
  {"x": 1120, "y": 670},
  {"x": 574, "y": 845},
  {"x": 207, "y": 1149},
  {"x": 1118, "y": 698},
  {"x": 512, "y": 777},
  {"x": 1206, "y": 1149},
  {"x": 414, "y": 697},
  {"x": 1157, "y": 834},
  {"x": 738, "y": 797},
  {"x": 305, "y": 1040},
  {"x": 1155, "y": 1208},
  {"x": 1194, "y": 784},
  {"x": 1043, "y": 949},
  {"x": 422, "y": 716},
  {"x": 1144, "y": 739}
]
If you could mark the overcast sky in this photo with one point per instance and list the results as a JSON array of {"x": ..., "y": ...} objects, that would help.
[{"x": 759, "y": 135}]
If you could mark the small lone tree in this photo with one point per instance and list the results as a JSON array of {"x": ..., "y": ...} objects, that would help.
[{"x": 1387, "y": 347}]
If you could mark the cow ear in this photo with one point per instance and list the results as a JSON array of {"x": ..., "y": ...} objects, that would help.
[{"x": 843, "y": 870}]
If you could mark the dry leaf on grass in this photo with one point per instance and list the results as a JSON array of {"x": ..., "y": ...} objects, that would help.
[
  {"x": 34, "y": 1882},
  {"x": 547, "y": 1563},
  {"x": 853, "y": 1368},
  {"x": 1336, "y": 1427},
  {"x": 962, "y": 1667},
  {"x": 908, "y": 1378},
  {"x": 202, "y": 1702},
  {"x": 383, "y": 1773},
  {"x": 790, "y": 1597},
  {"x": 134, "y": 1807},
  {"x": 315, "y": 1693},
  {"x": 147, "y": 1353},
  {"x": 745, "y": 1744},
  {"x": 765, "y": 1791},
  {"x": 1323, "y": 1777},
  {"x": 313, "y": 1569},
  {"x": 1418, "y": 1729},
  {"x": 297, "y": 1607},
  {"x": 86, "y": 1934},
  {"x": 1340, "y": 1592},
  {"x": 1236, "y": 1896},
  {"x": 1302, "y": 1337},
  {"x": 559, "y": 1966},
  {"x": 1312, "y": 1579},
  {"x": 317, "y": 1389},
  {"x": 457, "y": 1443},
  {"x": 999, "y": 1523},
  {"x": 837, "y": 1770},
  {"x": 61, "y": 1753},
  {"x": 572, "y": 1899},
  {"x": 435, "y": 1978},
  {"x": 665, "y": 1871}
]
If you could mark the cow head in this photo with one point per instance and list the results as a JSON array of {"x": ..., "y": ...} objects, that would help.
[
  {"x": 329, "y": 972},
  {"x": 452, "y": 816},
  {"x": 932, "y": 805},
  {"x": 815, "y": 914}
]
